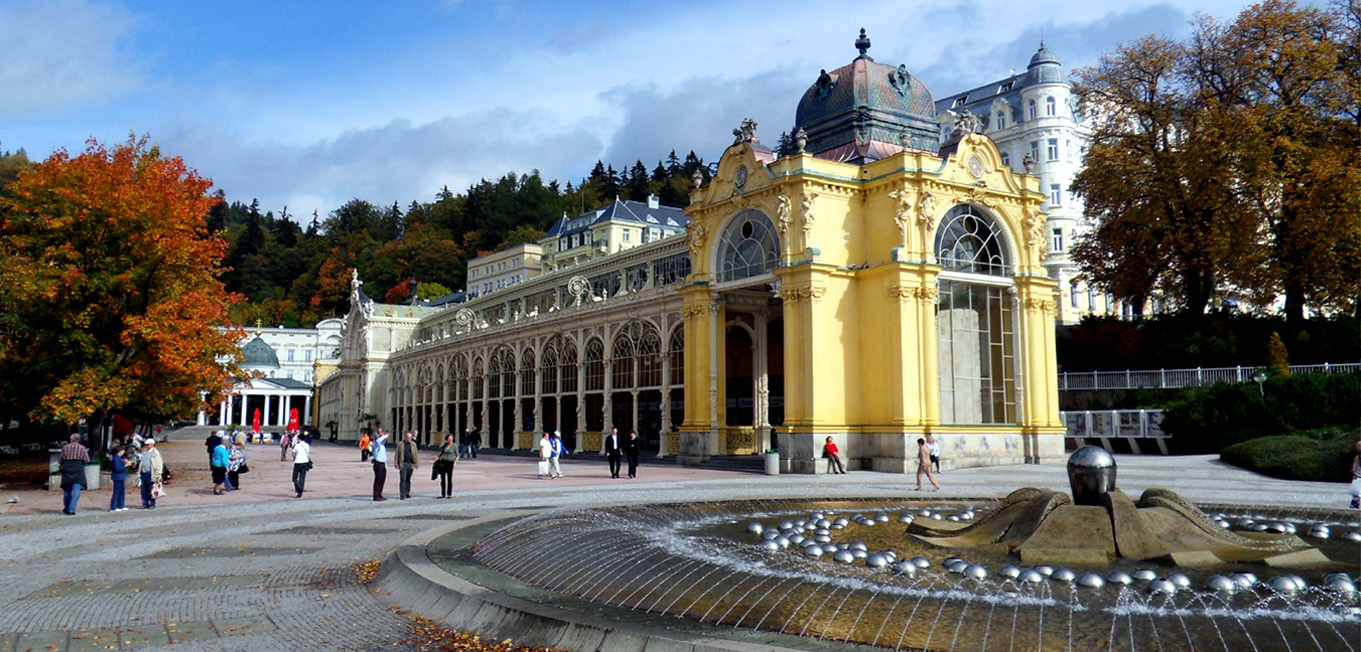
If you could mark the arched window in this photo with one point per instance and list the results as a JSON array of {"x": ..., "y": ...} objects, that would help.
[
  {"x": 567, "y": 366},
  {"x": 1001, "y": 121},
  {"x": 677, "y": 353},
  {"x": 975, "y": 321},
  {"x": 460, "y": 373},
  {"x": 748, "y": 247},
  {"x": 548, "y": 365},
  {"x": 1050, "y": 106},
  {"x": 478, "y": 374},
  {"x": 1031, "y": 112},
  {"x": 494, "y": 375},
  {"x": 969, "y": 241},
  {"x": 527, "y": 372},
  {"x": 595, "y": 365}
]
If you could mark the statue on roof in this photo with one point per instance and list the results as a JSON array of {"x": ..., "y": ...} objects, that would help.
[
  {"x": 863, "y": 44},
  {"x": 745, "y": 133},
  {"x": 967, "y": 122}
]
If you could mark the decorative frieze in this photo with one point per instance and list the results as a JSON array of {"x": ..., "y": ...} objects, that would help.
[{"x": 795, "y": 295}]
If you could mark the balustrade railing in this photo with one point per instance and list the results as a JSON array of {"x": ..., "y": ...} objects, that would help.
[
  {"x": 1104, "y": 425},
  {"x": 1176, "y": 378}
]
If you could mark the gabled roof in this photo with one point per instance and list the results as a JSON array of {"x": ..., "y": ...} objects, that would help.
[{"x": 623, "y": 210}]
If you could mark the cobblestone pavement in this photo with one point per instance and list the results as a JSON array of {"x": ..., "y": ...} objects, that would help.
[{"x": 261, "y": 570}]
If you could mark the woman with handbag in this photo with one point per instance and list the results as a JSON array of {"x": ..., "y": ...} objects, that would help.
[
  {"x": 237, "y": 465},
  {"x": 444, "y": 466},
  {"x": 152, "y": 467}
]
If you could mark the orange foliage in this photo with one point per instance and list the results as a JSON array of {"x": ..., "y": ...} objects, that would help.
[{"x": 109, "y": 287}]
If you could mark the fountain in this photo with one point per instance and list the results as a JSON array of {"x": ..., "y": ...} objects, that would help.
[{"x": 1034, "y": 571}]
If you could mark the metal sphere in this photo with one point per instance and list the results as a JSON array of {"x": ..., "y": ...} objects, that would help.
[
  {"x": 1245, "y": 522},
  {"x": 1144, "y": 575},
  {"x": 1320, "y": 531},
  {"x": 1223, "y": 523},
  {"x": 1341, "y": 586},
  {"x": 782, "y": 542},
  {"x": 882, "y": 517},
  {"x": 1221, "y": 584},
  {"x": 876, "y": 560},
  {"x": 813, "y": 551},
  {"x": 822, "y": 531},
  {"x": 905, "y": 567},
  {"x": 785, "y": 525},
  {"x": 1031, "y": 576},
  {"x": 1244, "y": 580},
  {"x": 906, "y": 517},
  {"x": 1045, "y": 570},
  {"x": 1063, "y": 575},
  {"x": 1352, "y": 536},
  {"x": 1090, "y": 580},
  {"x": 1009, "y": 571},
  {"x": 952, "y": 517},
  {"x": 859, "y": 544},
  {"x": 1276, "y": 528},
  {"x": 1091, "y": 474},
  {"x": 957, "y": 566},
  {"x": 1284, "y": 584},
  {"x": 796, "y": 539},
  {"x": 843, "y": 557},
  {"x": 921, "y": 562},
  {"x": 755, "y": 527},
  {"x": 1120, "y": 577},
  {"x": 975, "y": 571},
  {"x": 923, "y": 512},
  {"x": 769, "y": 535},
  {"x": 824, "y": 523},
  {"x": 769, "y": 546},
  {"x": 1180, "y": 580},
  {"x": 858, "y": 553},
  {"x": 1162, "y": 586},
  {"x": 831, "y": 548},
  {"x": 892, "y": 555},
  {"x": 950, "y": 560}
]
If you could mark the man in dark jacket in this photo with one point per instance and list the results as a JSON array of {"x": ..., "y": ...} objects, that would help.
[
  {"x": 214, "y": 438},
  {"x": 613, "y": 449},
  {"x": 74, "y": 457}
]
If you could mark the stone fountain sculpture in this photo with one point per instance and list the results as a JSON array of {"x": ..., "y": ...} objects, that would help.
[{"x": 1100, "y": 523}]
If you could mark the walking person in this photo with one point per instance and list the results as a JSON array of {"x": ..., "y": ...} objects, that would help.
[
  {"x": 924, "y": 466},
  {"x": 364, "y": 447},
  {"x": 465, "y": 442},
  {"x": 555, "y": 459},
  {"x": 631, "y": 452},
  {"x": 118, "y": 475},
  {"x": 832, "y": 453},
  {"x": 933, "y": 447},
  {"x": 444, "y": 466},
  {"x": 545, "y": 453},
  {"x": 408, "y": 460},
  {"x": 214, "y": 438},
  {"x": 474, "y": 441},
  {"x": 380, "y": 465},
  {"x": 236, "y": 465},
  {"x": 285, "y": 443},
  {"x": 74, "y": 457},
  {"x": 1356, "y": 478},
  {"x": 152, "y": 468},
  {"x": 613, "y": 450},
  {"x": 302, "y": 462},
  {"x": 218, "y": 464}
]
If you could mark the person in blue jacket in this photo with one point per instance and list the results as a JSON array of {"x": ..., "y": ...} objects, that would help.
[
  {"x": 220, "y": 461},
  {"x": 118, "y": 473}
]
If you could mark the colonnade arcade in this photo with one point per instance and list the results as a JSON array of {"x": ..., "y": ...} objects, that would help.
[{"x": 581, "y": 380}]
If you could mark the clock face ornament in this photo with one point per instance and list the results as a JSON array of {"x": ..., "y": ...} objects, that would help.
[
  {"x": 741, "y": 176},
  {"x": 976, "y": 167}
]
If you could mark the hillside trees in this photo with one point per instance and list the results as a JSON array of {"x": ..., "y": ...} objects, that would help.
[
  {"x": 1226, "y": 164},
  {"x": 109, "y": 288}
]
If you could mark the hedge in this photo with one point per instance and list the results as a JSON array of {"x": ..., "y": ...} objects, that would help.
[
  {"x": 1319, "y": 456},
  {"x": 1211, "y": 419}
]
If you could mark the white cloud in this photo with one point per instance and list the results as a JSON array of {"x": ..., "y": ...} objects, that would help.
[{"x": 63, "y": 55}]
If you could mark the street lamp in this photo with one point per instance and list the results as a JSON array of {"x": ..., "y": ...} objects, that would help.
[{"x": 1260, "y": 377}]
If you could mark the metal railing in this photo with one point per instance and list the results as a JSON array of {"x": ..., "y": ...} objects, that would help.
[
  {"x": 1176, "y": 378},
  {"x": 1104, "y": 425}
]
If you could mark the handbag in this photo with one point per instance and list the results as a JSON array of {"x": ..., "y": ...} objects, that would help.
[
  {"x": 309, "y": 465},
  {"x": 1356, "y": 487},
  {"x": 157, "y": 490},
  {"x": 543, "y": 467},
  {"x": 243, "y": 469}
]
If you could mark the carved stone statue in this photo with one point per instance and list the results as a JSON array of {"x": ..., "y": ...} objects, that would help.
[
  {"x": 745, "y": 133},
  {"x": 967, "y": 122},
  {"x": 696, "y": 179},
  {"x": 800, "y": 139},
  {"x": 927, "y": 210},
  {"x": 782, "y": 210},
  {"x": 1028, "y": 162}
]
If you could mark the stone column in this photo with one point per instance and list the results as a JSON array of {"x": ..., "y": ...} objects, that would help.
[
  {"x": 716, "y": 339},
  {"x": 608, "y": 403},
  {"x": 634, "y": 394},
  {"x": 519, "y": 416},
  {"x": 538, "y": 400},
  {"x": 486, "y": 408},
  {"x": 760, "y": 405},
  {"x": 666, "y": 398},
  {"x": 581, "y": 390},
  {"x": 244, "y": 404},
  {"x": 264, "y": 415},
  {"x": 306, "y": 410}
]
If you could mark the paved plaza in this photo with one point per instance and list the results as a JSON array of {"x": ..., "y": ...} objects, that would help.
[{"x": 261, "y": 570}]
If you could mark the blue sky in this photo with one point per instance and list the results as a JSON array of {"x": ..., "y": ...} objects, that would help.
[{"x": 310, "y": 104}]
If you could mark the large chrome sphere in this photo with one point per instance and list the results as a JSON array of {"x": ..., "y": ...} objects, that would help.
[{"x": 1091, "y": 473}]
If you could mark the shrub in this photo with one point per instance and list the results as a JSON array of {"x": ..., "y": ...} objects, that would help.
[
  {"x": 1210, "y": 419},
  {"x": 1319, "y": 456}
]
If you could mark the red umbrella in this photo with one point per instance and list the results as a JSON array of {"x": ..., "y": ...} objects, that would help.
[
  {"x": 293, "y": 420},
  {"x": 255, "y": 423}
]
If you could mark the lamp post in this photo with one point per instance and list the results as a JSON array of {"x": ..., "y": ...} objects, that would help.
[{"x": 1260, "y": 377}]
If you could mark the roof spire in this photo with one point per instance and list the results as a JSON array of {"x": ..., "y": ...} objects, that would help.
[{"x": 863, "y": 44}]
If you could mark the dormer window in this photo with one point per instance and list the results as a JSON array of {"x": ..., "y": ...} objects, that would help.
[
  {"x": 1005, "y": 86},
  {"x": 961, "y": 100}
]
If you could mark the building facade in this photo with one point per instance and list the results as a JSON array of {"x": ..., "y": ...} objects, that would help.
[
  {"x": 1032, "y": 117},
  {"x": 871, "y": 288},
  {"x": 288, "y": 362},
  {"x": 505, "y": 268},
  {"x": 608, "y": 230}
]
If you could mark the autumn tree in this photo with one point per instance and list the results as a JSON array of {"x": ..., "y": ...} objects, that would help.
[
  {"x": 109, "y": 288},
  {"x": 1226, "y": 164}
]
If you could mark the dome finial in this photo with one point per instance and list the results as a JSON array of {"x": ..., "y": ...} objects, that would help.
[{"x": 863, "y": 44}]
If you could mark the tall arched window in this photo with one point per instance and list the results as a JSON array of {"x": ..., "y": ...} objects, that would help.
[
  {"x": 527, "y": 372},
  {"x": 677, "y": 353},
  {"x": 567, "y": 366},
  {"x": 595, "y": 365},
  {"x": 1051, "y": 107},
  {"x": 1031, "y": 112},
  {"x": 748, "y": 247},
  {"x": 548, "y": 365},
  {"x": 975, "y": 321}
]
